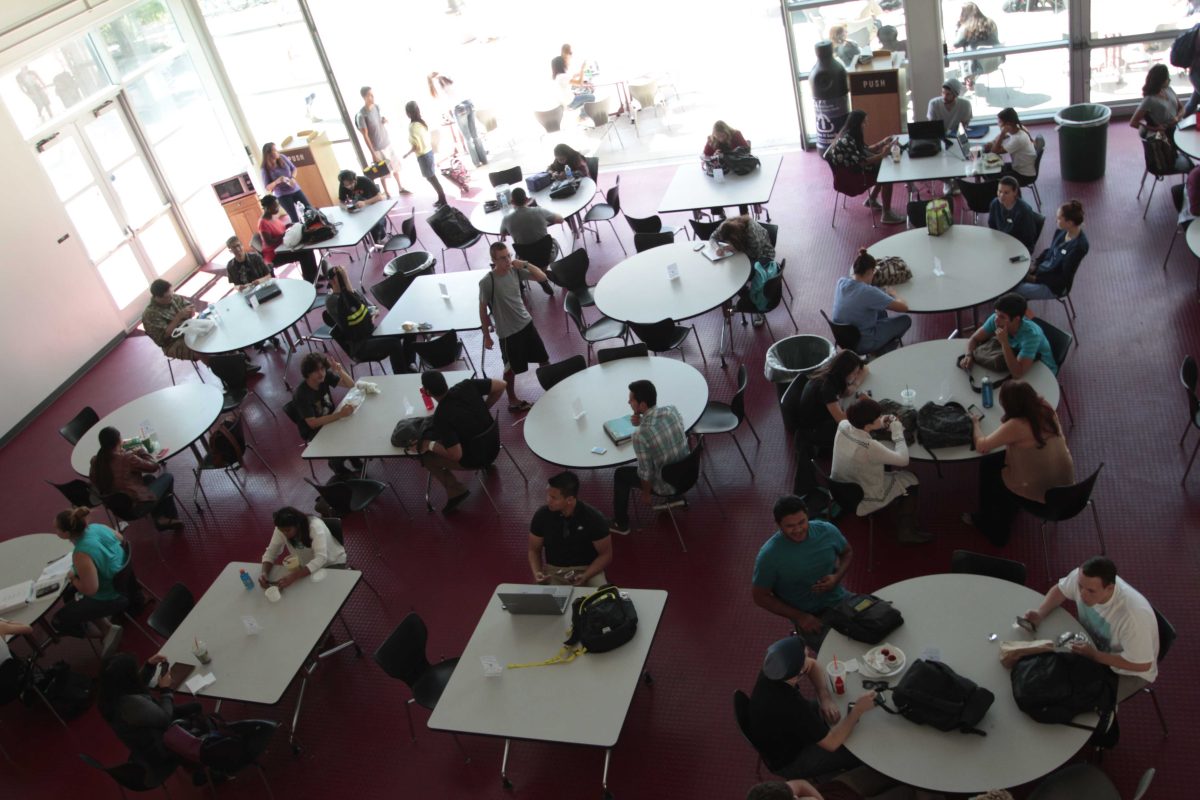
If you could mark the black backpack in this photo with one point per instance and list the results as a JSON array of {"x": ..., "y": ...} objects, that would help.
[
  {"x": 944, "y": 425},
  {"x": 864, "y": 618},
  {"x": 1183, "y": 49},
  {"x": 933, "y": 694},
  {"x": 68, "y": 692},
  {"x": 907, "y": 416},
  {"x": 739, "y": 161},
  {"x": 451, "y": 225},
  {"x": 227, "y": 442},
  {"x": 317, "y": 227},
  {"x": 1057, "y": 687},
  {"x": 602, "y": 621}
]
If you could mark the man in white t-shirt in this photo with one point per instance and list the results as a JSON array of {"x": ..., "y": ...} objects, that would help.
[{"x": 1120, "y": 621}]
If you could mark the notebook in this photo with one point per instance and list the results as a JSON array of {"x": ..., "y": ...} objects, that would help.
[
  {"x": 709, "y": 251},
  {"x": 16, "y": 596},
  {"x": 536, "y": 600},
  {"x": 620, "y": 430}
]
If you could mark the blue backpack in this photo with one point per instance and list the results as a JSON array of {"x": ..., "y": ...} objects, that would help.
[{"x": 1183, "y": 49}]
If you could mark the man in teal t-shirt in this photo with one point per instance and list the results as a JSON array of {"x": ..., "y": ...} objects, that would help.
[
  {"x": 1022, "y": 339},
  {"x": 798, "y": 572}
]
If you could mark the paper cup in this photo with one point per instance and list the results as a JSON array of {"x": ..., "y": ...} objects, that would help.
[
  {"x": 908, "y": 397},
  {"x": 273, "y": 594},
  {"x": 835, "y": 670}
]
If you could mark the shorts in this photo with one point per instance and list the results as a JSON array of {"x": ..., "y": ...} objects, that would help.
[
  {"x": 426, "y": 163},
  {"x": 522, "y": 347},
  {"x": 389, "y": 155}
]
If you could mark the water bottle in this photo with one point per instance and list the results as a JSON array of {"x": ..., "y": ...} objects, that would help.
[
  {"x": 247, "y": 581},
  {"x": 426, "y": 399},
  {"x": 570, "y": 174},
  {"x": 987, "y": 392},
  {"x": 150, "y": 439},
  {"x": 895, "y": 152}
]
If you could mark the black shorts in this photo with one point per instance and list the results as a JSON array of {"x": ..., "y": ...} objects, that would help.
[{"x": 524, "y": 346}]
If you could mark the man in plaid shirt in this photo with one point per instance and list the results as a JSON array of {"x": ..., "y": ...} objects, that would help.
[{"x": 658, "y": 440}]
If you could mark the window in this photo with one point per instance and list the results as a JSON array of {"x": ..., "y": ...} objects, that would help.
[
  {"x": 46, "y": 88},
  {"x": 1118, "y": 71},
  {"x": 139, "y": 36},
  {"x": 1112, "y": 18}
]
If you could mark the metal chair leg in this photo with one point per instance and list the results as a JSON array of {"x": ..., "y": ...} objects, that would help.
[
  {"x": 461, "y": 749},
  {"x": 479, "y": 475},
  {"x": 1150, "y": 196},
  {"x": 408, "y": 707},
  {"x": 1099, "y": 532},
  {"x": 697, "y": 335},
  {"x": 750, "y": 424},
  {"x": 676, "y": 526},
  {"x": 1171, "y": 247},
  {"x": 515, "y": 463},
  {"x": 398, "y": 499},
  {"x": 1141, "y": 185},
  {"x": 266, "y": 463},
  {"x": 1157, "y": 710},
  {"x": 742, "y": 453}
]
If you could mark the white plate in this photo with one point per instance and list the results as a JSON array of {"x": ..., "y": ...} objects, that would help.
[{"x": 868, "y": 661}]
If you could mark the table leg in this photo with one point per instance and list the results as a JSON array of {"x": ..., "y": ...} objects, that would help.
[
  {"x": 504, "y": 781},
  {"x": 296, "y": 713},
  {"x": 199, "y": 486},
  {"x": 604, "y": 777}
]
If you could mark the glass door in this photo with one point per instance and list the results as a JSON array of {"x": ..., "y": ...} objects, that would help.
[{"x": 115, "y": 202}]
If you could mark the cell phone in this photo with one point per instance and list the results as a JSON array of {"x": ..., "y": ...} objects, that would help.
[
  {"x": 1025, "y": 624},
  {"x": 1018, "y": 259},
  {"x": 974, "y": 411},
  {"x": 599, "y": 450},
  {"x": 155, "y": 676}
]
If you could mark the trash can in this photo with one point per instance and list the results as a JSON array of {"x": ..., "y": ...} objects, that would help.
[
  {"x": 795, "y": 355},
  {"x": 1083, "y": 141}
]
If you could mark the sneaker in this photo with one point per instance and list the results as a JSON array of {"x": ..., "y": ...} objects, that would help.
[
  {"x": 111, "y": 640},
  {"x": 871, "y": 202},
  {"x": 619, "y": 528},
  {"x": 892, "y": 218},
  {"x": 455, "y": 501},
  {"x": 757, "y": 320}
]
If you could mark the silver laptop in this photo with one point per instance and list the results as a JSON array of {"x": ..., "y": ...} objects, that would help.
[
  {"x": 964, "y": 144},
  {"x": 537, "y": 600}
]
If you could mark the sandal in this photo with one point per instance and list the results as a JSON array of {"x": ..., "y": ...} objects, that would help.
[{"x": 520, "y": 407}]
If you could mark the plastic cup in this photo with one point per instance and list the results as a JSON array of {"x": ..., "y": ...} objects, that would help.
[
  {"x": 273, "y": 594},
  {"x": 835, "y": 670},
  {"x": 908, "y": 397}
]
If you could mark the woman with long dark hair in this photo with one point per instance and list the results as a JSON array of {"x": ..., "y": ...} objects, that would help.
[
  {"x": 1035, "y": 459},
  {"x": 1161, "y": 108},
  {"x": 307, "y": 539},
  {"x": 1014, "y": 138},
  {"x": 271, "y": 227},
  {"x": 134, "y": 473},
  {"x": 1055, "y": 268},
  {"x": 851, "y": 151},
  {"x": 92, "y": 597},
  {"x": 975, "y": 30},
  {"x": 819, "y": 410},
  {"x": 279, "y": 178},
  {"x": 421, "y": 144}
]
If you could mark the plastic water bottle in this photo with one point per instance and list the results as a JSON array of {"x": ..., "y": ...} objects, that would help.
[
  {"x": 987, "y": 392},
  {"x": 247, "y": 581},
  {"x": 570, "y": 174},
  {"x": 895, "y": 152},
  {"x": 426, "y": 399}
]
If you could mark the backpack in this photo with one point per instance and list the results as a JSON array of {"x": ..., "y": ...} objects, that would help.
[
  {"x": 602, "y": 621},
  {"x": 938, "y": 217},
  {"x": 565, "y": 190},
  {"x": 1160, "y": 153},
  {"x": 538, "y": 181},
  {"x": 933, "y": 694},
  {"x": 227, "y": 441},
  {"x": 944, "y": 425},
  {"x": 739, "y": 161},
  {"x": 451, "y": 225},
  {"x": 907, "y": 416},
  {"x": 411, "y": 430},
  {"x": 68, "y": 692},
  {"x": 758, "y": 279},
  {"x": 317, "y": 227},
  {"x": 1054, "y": 688},
  {"x": 890, "y": 271},
  {"x": 864, "y": 618},
  {"x": 1183, "y": 49}
]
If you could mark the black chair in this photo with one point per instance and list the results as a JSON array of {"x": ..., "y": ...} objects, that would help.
[
  {"x": 683, "y": 476},
  {"x": 126, "y": 509},
  {"x": 702, "y": 231},
  {"x": 339, "y": 336},
  {"x": 550, "y": 120},
  {"x": 1189, "y": 375},
  {"x": 334, "y": 524},
  {"x": 1060, "y": 348},
  {"x": 773, "y": 292},
  {"x": 479, "y": 453},
  {"x": 417, "y": 262},
  {"x": 719, "y": 417},
  {"x": 650, "y": 224},
  {"x": 964, "y": 562},
  {"x": 511, "y": 177},
  {"x": 552, "y": 374},
  {"x": 82, "y": 422},
  {"x": 848, "y": 496},
  {"x": 1166, "y": 637},
  {"x": 240, "y": 746},
  {"x": 352, "y": 495},
  {"x": 231, "y": 372},
  {"x": 849, "y": 182},
  {"x": 648, "y": 241},
  {"x": 773, "y": 234},
  {"x": 402, "y": 656},
  {"x": 570, "y": 272},
  {"x": 1064, "y": 503},
  {"x": 847, "y": 337},
  {"x": 638, "y": 350},
  {"x": 291, "y": 412},
  {"x": 171, "y": 611},
  {"x": 601, "y": 330},
  {"x": 977, "y": 196},
  {"x": 1079, "y": 781},
  {"x": 741, "y": 713},
  {"x": 1181, "y": 166},
  {"x": 387, "y": 291},
  {"x": 665, "y": 335},
  {"x": 132, "y": 776},
  {"x": 79, "y": 492},
  {"x": 237, "y": 446},
  {"x": 593, "y": 166},
  {"x": 407, "y": 236},
  {"x": 1039, "y": 146},
  {"x": 606, "y": 212},
  {"x": 1039, "y": 225},
  {"x": 462, "y": 244},
  {"x": 443, "y": 351},
  {"x": 539, "y": 253}
]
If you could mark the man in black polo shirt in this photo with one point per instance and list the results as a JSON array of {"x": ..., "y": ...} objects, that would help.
[
  {"x": 460, "y": 416},
  {"x": 357, "y": 192},
  {"x": 315, "y": 406},
  {"x": 575, "y": 536}
]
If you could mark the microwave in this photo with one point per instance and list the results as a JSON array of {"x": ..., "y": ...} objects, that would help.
[{"x": 234, "y": 188}]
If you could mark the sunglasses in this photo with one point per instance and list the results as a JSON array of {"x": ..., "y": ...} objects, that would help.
[{"x": 879, "y": 686}]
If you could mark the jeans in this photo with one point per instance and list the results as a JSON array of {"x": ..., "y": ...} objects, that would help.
[
  {"x": 289, "y": 201},
  {"x": 816, "y": 760},
  {"x": 1194, "y": 101},
  {"x": 163, "y": 487},
  {"x": 582, "y": 98},
  {"x": 464, "y": 113},
  {"x": 71, "y": 618},
  {"x": 885, "y": 331},
  {"x": 624, "y": 480},
  {"x": 1036, "y": 291}
]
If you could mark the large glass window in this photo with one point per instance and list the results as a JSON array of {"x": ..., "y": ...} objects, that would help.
[
  {"x": 139, "y": 36},
  {"x": 1112, "y": 18},
  {"x": 45, "y": 88},
  {"x": 1118, "y": 71}
]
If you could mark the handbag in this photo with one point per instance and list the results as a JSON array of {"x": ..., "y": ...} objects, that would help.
[
  {"x": 990, "y": 355},
  {"x": 938, "y": 217},
  {"x": 864, "y": 618},
  {"x": 377, "y": 170},
  {"x": 890, "y": 271}
]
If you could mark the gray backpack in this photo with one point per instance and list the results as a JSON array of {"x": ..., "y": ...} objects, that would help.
[{"x": 411, "y": 430}]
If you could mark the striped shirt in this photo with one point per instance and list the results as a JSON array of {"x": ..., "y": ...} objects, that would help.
[{"x": 659, "y": 440}]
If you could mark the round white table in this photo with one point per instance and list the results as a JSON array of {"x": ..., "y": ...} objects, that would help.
[
  {"x": 23, "y": 559},
  {"x": 956, "y": 614},
  {"x": 239, "y": 325},
  {"x": 975, "y": 260},
  {"x": 554, "y": 435},
  {"x": 1187, "y": 138},
  {"x": 179, "y": 415},
  {"x": 930, "y": 369},
  {"x": 566, "y": 207},
  {"x": 640, "y": 290}
]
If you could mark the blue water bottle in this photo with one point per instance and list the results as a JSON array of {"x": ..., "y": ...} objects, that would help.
[
  {"x": 247, "y": 581},
  {"x": 987, "y": 392}
]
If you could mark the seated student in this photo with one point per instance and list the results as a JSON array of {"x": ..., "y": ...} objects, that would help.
[
  {"x": 1055, "y": 268},
  {"x": 846, "y": 50},
  {"x": 308, "y": 539},
  {"x": 743, "y": 234},
  {"x": 10, "y": 628},
  {"x": 851, "y": 151},
  {"x": 96, "y": 560},
  {"x": 115, "y": 470},
  {"x": 815, "y": 418},
  {"x": 950, "y": 108},
  {"x": 567, "y": 157},
  {"x": 1022, "y": 340},
  {"x": 1035, "y": 459},
  {"x": 858, "y": 302},
  {"x": 527, "y": 225},
  {"x": 356, "y": 326},
  {"x": 165, "y": 312},
  {"x": 314, "y": 403},
  {"x": 574, "y": 535},
  {"x": 271, "y": 227},
  {"x": 358, "y": 192},
  {"x": 860, "y": 783},
  {"x": 800, "y": 737},
  {"x": 461, "y": 415},
  {"x": 246, "y": 267},
  {"x": 725, "y": 139},
  {"x": 1160, "y": 109},
  {"x": 1012, "y": 215},
  {"x": 860, "y": 459},
  {"x": 1015, "y": 139},
  {"x": 573, "y": 90}
]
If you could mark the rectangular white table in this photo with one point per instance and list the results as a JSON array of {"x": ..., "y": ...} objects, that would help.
[
  {"x": 584, "y": 702},
  {"x": 691, "y": 188},
  {"x": 352, "y": 226},
  {"x": 259, "y": 668},
  {"x": 367, "y": 432},
  {"x": 945, "y": 165}
]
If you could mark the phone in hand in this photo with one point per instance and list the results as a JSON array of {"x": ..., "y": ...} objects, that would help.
[{"x": 974, "y": 411}]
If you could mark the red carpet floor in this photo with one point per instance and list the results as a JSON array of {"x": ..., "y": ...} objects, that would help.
[{"x": 1135, "y": 321}]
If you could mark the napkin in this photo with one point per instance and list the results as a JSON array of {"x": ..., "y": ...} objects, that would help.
[
  {"x": 197, "y": 682},
  {"x": 366, "y": 386}
]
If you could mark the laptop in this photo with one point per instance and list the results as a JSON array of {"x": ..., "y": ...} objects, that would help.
[
  {"x": 925, "y": 138},
  {"x": 537, "y": 600}
]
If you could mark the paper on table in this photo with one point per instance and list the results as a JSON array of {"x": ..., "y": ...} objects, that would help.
[
  {"x": 444, "y": 290},
  {"x": 673, "y": 271},
  {"x": 197, "y": 682},
  {"x": 937, "y": 267},
  {"x": 408, "y": 408},
  {"x": 56, "y": 568},
  {"x": 252, "y": 626},
  {"x": 851, "y": 665},
  {"x": 577, "y": 409},
  {"x": 932, "y": 654},
  {"x": 15, "y": 596}
]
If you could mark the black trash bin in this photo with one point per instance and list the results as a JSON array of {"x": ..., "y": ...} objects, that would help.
[
  {"x": 1083, "y": 141},
  {"x": 795, "y": 355}
]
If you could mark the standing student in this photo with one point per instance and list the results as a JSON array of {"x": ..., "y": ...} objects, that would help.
[
  {"x": 462, "y": 110},
  {"x": 573, "y": 534},
  {"x": 308, "y": 539},
  {"x": 279, "y": 178},
  {"x": 95, "y": 561},
  {"x": 421, "y": 141},
  {"x": 520, "y": 342},
  {"x": 373, "y": 126}
]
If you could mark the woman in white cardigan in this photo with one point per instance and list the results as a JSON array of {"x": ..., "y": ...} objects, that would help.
[{"x": 860, "y": 459}]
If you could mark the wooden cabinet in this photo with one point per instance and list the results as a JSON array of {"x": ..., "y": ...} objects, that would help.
[
  {"x": 316, "y": 168},
  {"x": 878, "y": 89},
  {"x": 244, "y": 213}
]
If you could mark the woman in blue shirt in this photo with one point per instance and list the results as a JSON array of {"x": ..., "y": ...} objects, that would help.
[
  {"x": 96, "y": 560},
  {"x": 279, "y": 178},
  {"x": 1055, "y": 269}
]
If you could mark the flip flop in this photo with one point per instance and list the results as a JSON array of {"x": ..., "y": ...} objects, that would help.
[{"x": 520, "y": 407}]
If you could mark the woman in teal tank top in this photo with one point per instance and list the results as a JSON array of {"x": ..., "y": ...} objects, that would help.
[{"x": 97, "y": 558}]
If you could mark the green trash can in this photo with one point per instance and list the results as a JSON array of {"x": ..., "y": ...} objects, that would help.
[{"x": 1083, "y": 141}]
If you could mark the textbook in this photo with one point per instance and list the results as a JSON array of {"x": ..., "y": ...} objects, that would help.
[{"x": 620, "y": 430}]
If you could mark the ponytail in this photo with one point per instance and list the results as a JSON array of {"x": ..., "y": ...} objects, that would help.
[
  {"x": 72, "y": 521},
  {"x": 864, "y": 262},
  {"x": 1072, "y": 210}
]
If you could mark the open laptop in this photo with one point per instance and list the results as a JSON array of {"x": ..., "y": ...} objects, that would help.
[
  {"x": 925, "y": 138},
  {"x": 537, "y": 600}
]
